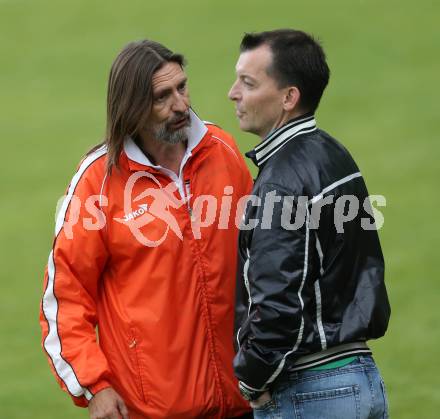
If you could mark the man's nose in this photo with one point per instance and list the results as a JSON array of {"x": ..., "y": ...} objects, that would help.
[
  {"x": 233, "y": 92},
  {"x": 180, "y": 103}
]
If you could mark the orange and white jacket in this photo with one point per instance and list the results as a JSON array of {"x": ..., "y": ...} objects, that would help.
[{"x": 148, "y": 259}]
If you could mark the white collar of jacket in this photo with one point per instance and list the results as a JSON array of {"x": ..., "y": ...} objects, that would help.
[
  {"x": 196, "y": 131},
  {"x": 280, "y": 137}
]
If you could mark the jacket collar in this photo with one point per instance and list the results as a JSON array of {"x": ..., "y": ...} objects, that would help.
[
  {"x": 281, "y": 136},
  {"x": 196, "y": 132}
]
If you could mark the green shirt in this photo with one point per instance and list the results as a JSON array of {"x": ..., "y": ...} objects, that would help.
[{"x": 334, "y": 364}]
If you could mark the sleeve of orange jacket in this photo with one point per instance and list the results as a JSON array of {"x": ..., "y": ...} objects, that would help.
[{"x": 68, "y": 308}]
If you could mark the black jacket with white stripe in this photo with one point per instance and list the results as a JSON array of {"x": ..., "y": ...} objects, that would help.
[{"x": 310, "y": 285}]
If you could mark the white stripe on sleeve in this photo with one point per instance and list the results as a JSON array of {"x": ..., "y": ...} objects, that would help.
[{"x": 52, "y": 342}]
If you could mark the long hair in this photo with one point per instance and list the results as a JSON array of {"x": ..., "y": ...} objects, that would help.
[{"x": 130, "y": 92}]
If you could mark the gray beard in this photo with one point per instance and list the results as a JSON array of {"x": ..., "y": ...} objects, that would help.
[{"x": 164, "y": 135}]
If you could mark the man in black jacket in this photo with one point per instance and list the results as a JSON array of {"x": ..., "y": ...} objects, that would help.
[{"x": 310, "y": 288}]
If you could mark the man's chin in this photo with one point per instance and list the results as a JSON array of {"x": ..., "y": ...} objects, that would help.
[
  {"x": 243, "y": 126},
  {"x": 175, "y": 136}
]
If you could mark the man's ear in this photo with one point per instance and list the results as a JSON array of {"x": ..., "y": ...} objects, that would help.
[{"x": 291, "y": 98}]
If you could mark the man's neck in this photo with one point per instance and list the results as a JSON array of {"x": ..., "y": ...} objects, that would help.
[
  {"x": 162, "y": 154},
  {"x": 283, "y": 119}
]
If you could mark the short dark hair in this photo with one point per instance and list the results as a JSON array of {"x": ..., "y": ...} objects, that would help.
[
  {"x": 130, "y": 91},
  {"x": 298, "y": 60}
]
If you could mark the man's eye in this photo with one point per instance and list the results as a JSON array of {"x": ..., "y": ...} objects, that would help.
[
  {"x": 182, "y": 87},
  {"x": 248, "y": 83},
  {"x": 159, "y": 99}
]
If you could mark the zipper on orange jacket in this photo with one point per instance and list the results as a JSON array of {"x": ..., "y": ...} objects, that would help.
[{"x": 205, "y": 307}]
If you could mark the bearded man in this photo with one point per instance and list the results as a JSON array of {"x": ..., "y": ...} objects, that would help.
[{"x": 137, "y": 312}]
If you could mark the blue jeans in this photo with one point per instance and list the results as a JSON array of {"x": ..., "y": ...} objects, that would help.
[{"x": 355, "y": 391}]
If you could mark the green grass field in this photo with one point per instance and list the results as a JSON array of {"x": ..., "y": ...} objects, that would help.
[{"x": 382, "y": 103}]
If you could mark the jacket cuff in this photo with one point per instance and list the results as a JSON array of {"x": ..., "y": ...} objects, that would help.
[
  {"x": 93, "y": 389},
  {"x": 252, "y": 371},
  {"x": 97, "y": 387}
]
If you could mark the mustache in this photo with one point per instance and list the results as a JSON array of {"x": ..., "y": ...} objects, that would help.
[{"x": 178, "y": 116}]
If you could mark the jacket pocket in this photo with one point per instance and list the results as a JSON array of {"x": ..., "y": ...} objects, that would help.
[{"x": 137, "y": 364}]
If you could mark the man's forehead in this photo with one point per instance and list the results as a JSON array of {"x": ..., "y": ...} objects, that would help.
[
  {"x": 255, "y": 60},
  {"x": 170, "y": 73}
]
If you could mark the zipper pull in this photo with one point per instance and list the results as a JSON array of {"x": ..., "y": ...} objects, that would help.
[
  {"x": 132, "y": 344},
  {"x": 191, "y": 216}
]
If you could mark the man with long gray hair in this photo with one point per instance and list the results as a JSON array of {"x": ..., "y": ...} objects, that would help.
[{"x": 137, "y": 311}]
